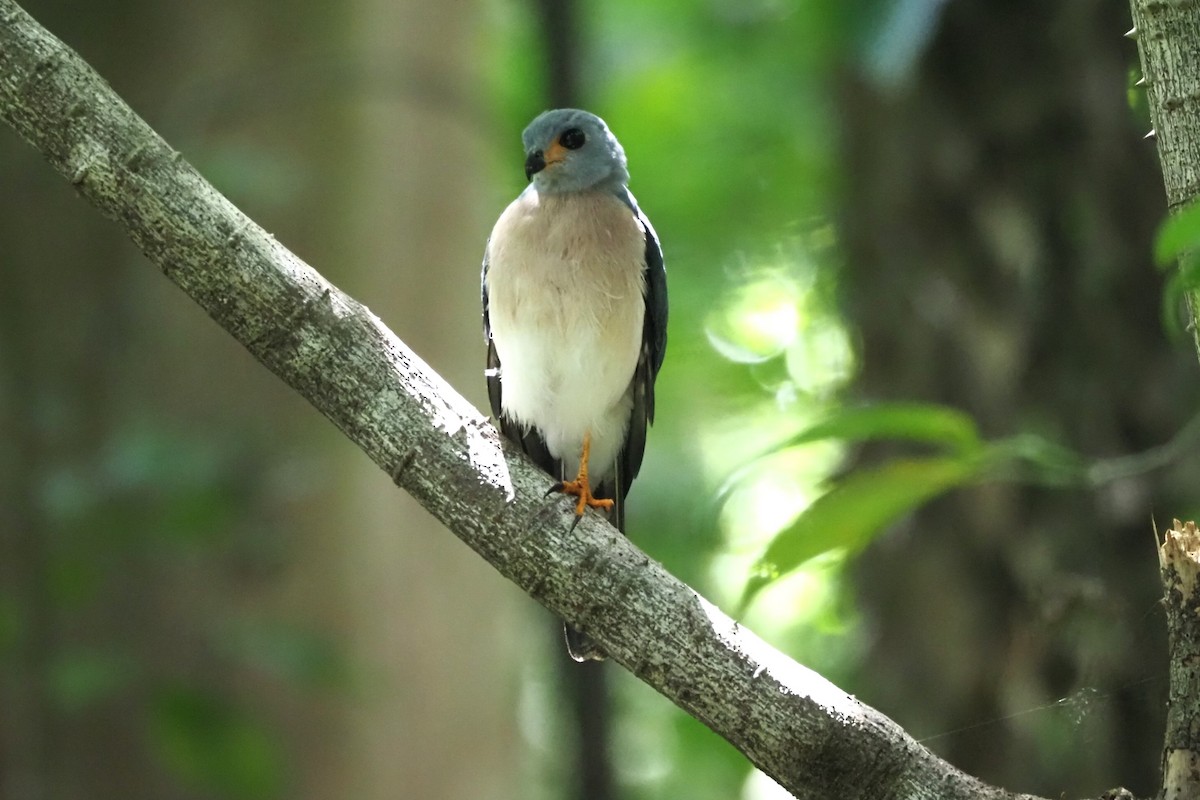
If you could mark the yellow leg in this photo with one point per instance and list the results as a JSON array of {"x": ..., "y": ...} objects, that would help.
[{"x": 580, "y": 487}]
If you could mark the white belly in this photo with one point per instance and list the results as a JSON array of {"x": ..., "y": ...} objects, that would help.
[{"x": 565, "y": 296}]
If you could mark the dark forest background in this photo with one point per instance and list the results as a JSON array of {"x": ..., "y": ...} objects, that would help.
[{"x": 205, "y": 592}]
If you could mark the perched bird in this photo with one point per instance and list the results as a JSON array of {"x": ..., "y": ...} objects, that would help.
[{"x": 575, "y": 317}]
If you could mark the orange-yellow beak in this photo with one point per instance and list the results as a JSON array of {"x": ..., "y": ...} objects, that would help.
[{"x": 555, "y": 153}]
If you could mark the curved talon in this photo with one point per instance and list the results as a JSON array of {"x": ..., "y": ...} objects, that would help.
[{"x": 581, "y": 489}]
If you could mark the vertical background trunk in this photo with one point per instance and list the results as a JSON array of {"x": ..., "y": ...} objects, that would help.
[
  {"x": 204, "y": 590},
  {"x": 430, "y": 617}
]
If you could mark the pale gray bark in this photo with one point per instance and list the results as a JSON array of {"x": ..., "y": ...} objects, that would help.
[
  {"x": 813, "y": 738},
  {"x": 1179, "y": 557},
  {"x": 1168, "y": 37}
]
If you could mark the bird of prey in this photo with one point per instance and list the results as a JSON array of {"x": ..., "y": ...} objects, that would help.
[{"x": 575, "y": 317}]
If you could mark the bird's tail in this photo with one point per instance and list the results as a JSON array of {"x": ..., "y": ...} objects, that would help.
[{"x": 580, "y": 646}]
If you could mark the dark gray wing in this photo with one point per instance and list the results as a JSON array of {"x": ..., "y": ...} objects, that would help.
[
  {"x": 654, "y": 347},
  {"x": 528, "y": 440}
]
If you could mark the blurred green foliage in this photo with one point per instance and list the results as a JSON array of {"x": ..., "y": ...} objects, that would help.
[
  {"x": 724, "y": 110},
  {"x": 862, "y": 504},
  {"x": 750, "y": 490},
  {"x": 854, "y": 511},
  {"x": 81, "y": 678},
  {"x": 215, "y": 745},
  {"x": 151, "y": 492}
]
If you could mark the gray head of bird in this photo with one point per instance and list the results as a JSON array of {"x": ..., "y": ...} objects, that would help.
[{"x": 568, "y": 150}]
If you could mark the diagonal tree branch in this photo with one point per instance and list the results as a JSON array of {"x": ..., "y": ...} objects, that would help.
[{"x": 813, "y": 738}]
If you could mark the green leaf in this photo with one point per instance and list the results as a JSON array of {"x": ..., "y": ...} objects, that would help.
[
  {"x": 920, "y": 422},
  {"x": 1179, "y": 234},
  {"x": 1189, "y": 270},
  {"x": 856, "y": 510},
  {"x": 1033, "y": 458}
]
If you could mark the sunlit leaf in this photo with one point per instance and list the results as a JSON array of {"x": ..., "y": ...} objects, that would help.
[
  {"x": 917, "y": 422},
  {"x": 823, "y": 359},
  {"x": 756, "y": 320},
  {"x": 856, "y": 510}
]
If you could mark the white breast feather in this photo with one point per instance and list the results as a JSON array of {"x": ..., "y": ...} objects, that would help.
[{"x": 566, "y": 280}]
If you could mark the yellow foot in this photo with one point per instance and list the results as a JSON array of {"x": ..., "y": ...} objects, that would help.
[{"x": 580, "y": 487}]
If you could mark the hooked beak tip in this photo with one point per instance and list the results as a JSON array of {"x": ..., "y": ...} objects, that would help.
[{"x": 534, "y": 164}]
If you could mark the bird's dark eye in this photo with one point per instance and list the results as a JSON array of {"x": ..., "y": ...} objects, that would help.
[{"x": 572, "y": 139}]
